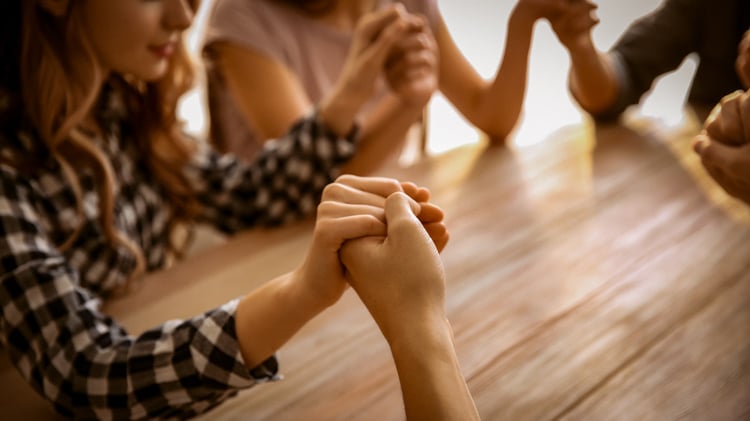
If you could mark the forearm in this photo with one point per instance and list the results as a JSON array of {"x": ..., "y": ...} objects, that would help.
[
  {"x": 269, "y": 316},
  {"x": 383, "y": 135},
  {"x": 592, "y": 79},
  {"x": 338, "y": 111},
  {"x": 432, "y": 384},
  {"x": 501, "y": 104}
]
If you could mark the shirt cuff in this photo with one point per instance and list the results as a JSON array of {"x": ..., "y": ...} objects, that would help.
[
  {"x": 352, "y": 136},
  {"x": 217, "y": 357}
]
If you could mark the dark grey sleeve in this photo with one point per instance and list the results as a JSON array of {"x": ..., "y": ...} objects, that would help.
[{"x": 653, "y": 45}]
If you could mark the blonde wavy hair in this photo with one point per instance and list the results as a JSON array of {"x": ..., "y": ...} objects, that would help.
[{"x": 56, "y": 83}]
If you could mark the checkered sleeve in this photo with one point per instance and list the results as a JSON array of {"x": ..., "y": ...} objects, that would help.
[
  {"x": 82, "y": 360},
  {"x": 283, "y": 183}
]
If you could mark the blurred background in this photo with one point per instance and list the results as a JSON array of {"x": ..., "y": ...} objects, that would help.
[{"x": 478, "y": 27}]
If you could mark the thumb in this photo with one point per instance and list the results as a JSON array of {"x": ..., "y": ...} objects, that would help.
[
  {"x": 400, "y": 210},
  {"x": 405, "y": 230},
  {"x": 700, "y": 142}
]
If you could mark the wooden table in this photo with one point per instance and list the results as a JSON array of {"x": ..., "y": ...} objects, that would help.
[{"x": 597, "y": 275}]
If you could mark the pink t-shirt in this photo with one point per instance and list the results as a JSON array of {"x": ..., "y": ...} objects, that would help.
[{"x": 313, "y": 51}]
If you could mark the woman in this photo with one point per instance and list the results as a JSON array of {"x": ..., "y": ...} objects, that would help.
[
  {"x": 94, "y": 175},
  {"x": 271, "y": 61}
]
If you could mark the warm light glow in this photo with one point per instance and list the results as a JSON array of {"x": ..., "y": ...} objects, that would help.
[
  {"x": 192, "y": 108},
  {"x": 446, "y": 128},
  {"x": 665, "y": 103},
  {"x": 481, "y": 37},
  {"x": 548, "y": 104},
  {"x": 192, "y": 111}
]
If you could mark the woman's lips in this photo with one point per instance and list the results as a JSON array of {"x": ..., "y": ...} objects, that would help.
[{"x": 163, "y": 50}]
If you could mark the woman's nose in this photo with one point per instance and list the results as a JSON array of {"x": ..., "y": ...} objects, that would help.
[{"x": 178, "y": 14}]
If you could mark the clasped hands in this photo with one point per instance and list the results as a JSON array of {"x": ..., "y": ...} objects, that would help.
[
  {"x": 382, "y": 237},
  {"x": 724, "y": 144},
  {"x": 397, "y": 45}
]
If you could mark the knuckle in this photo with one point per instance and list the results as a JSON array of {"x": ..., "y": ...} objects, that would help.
[
  {"x": 392, "y": 184},
  {"x": 325, "y": 207},
  {"x": 331, "y": 191},
  {"x": 346, "y": 178}
]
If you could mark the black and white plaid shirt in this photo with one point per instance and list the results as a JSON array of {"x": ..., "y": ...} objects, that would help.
[{"x": 82, "y": 360}]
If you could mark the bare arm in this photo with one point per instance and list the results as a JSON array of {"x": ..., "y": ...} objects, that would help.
[
  {"x": 592, "y": 77},
  {"x": 268, "y": 94},
  {"x": 474, "y": 97},
  {"x": 382, "y": 135},
  {"x": 493, "y": 107},
  {"x": 400, "y": 279},
  {"x": 432, "y": 384},
  {"x": 264, "y": 321}
]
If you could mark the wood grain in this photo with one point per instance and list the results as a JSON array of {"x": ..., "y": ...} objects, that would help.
[{"x": 597, "y": 275}]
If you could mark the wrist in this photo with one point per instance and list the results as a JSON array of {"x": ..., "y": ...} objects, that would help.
[
  {"x": 306, "y": 296},
  {"x": 581, "y": 46},
  {"x": 523, "y": 16},
  {"x": 338, "y": 112},
  {"x": 411, "y": 333}
]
